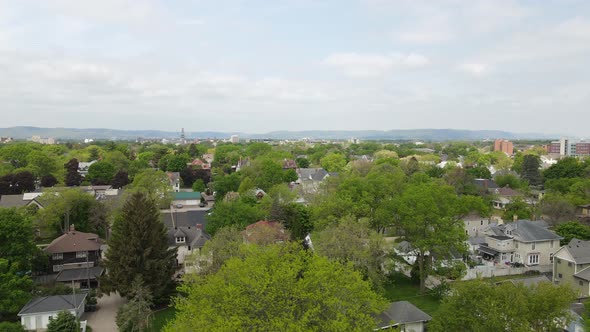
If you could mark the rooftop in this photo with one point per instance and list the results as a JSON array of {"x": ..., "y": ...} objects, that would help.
[
  {"x": 52, "y": 303},
  {"x": 401, "y": 312},
  {"x": 74, "y": 241}
]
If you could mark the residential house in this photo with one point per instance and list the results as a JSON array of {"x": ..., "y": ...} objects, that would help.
[
  {"x": 84, "y": 278},
  {"x": 241, "y": 164},
  {"x": 200, "y": 164},
  {"x": 485, "y": 186},
  {"x": 27, "y": 199},
  {"x": 289, "y": 164},
  {"x": 186, "y": 199},
  {"x": 265, "y": 232},
  {"x": 310, "y": 179},
  {"x": 174, "y": 180},
  {"x": 522, "y": 241},
  {"x": 184, "y": 218},
  {"x": 37, "y": 313},
  {"x": 571, "y": 265},
  {"x": 208, "y": 157},
  {"x": 404, "y": 317},
  {"x": 74, "y": 250},
  {"x": 186, "y": 239},
  {"x": 83, "y": 167},
  {"x": 504, "y": 196},
  {"x": 475, "y": 224}
]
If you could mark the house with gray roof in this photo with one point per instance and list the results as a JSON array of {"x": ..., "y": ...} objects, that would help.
[
  {"x": 310, "y": 179},
  {"x": 523, "y": 241},
  {"x": 36, "y": 314},
  {"x": 186, "y": 240},
  {"x": 572, "y": 266},
  {"x": 403, "y": 316},
  {"x": 27, "y": 199}
]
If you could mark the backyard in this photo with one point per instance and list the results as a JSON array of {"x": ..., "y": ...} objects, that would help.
[{"x": 402, "y": 289}]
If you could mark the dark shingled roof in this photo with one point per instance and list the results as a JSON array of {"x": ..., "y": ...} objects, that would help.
[
  {"x": 402, "y": 312},
  {"x": 74, "y": 241},
  {"x": 580, "y": 250},
  {"x": 584, "y": 274},
  {"x": 52, "y": 304},
  {"x": 185, "y": 218},
  {"x": 529, "y": 231},
  {"x": 194, "y": 237},
  {"x": 311, "y": 174},
  {"x": 80, "y": 274}
]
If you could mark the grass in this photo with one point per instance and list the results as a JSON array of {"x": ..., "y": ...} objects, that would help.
[
  {"x": 402, "y": 289},
  {"x": 161, "y": 318}
]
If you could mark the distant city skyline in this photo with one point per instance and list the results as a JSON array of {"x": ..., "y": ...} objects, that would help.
[{"x": 261, "y": 66}]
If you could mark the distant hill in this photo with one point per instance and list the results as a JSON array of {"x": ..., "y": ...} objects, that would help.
[{"x": 397, "y": 134}]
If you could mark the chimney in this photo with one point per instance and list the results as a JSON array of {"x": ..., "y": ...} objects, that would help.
[
  {"x": 515, "y": 217},
  {"x": 199, "y": 226}
]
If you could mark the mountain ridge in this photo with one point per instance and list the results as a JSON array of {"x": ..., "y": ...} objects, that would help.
[{"x": 24, "y": 132}]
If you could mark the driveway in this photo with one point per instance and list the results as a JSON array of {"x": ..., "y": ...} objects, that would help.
[{"x": 103, "y": 319}]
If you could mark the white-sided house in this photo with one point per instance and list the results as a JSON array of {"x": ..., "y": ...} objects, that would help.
[
  {"x": 404, "y": 317},
  {"x": 187, "y": 239},
  {"x": 571, "y": 265},
  {"x": 523, "y": 241},
  {"x": 475, "y": 225},
  {"x": 36, "y": 314}
]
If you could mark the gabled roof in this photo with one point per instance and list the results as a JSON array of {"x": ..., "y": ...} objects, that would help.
[
  {"x": 173, "y": 177},
  {"x": 529, "y": 231},
  {"x": 401, "y": 312},
  {"x": 79, "y": 274},
  {"x": 579, "y": 250},
  {"x": 311, "y": 174},
  {"x": 194, "y": 236},
  {"x": 9, "y": 201},
  {"x": 506, "y": 192},
  {"x": 583, "y": 274},
  {"x": 52, "y": 304},
  {"x": 74, "y": 241},
  {"x": 184, "y": 218}
]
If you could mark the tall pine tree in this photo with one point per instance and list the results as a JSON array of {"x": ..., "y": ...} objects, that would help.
[{"x": 138, "y": 247}]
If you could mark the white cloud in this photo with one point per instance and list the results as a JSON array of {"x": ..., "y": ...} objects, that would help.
[
  {"x": 476, "y": 69},
  {"x": 367, "y": 65}
]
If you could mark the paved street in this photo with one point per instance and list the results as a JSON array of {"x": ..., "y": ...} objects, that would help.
[{"x": 103, "y": 319}]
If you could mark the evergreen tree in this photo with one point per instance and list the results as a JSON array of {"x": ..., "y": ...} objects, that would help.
[
  {"x": 530, "y": 169},
  {"x": 139, "y": 247},
  {"x": 72, "y": 176},
  {"x": 64, "y": 322},
  {"x": 135, "y": 315}
]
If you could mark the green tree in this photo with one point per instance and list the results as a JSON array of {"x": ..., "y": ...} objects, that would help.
[
  {"x": 572, "y": 229},
  {"x": 234, "y": 213},
  {"x": 302, "y": 162},
  {"x": 255, "y": 150},
  {"x": 480, "y": 172},
  {"x": 428, "y": 216},
  {"x": 15, "y": 288},
  {"x": 177, "y": 162},
  {"x": 139, "y": 247},
  {"x": 510, "y": 180},
  {"x": 72, "y": 205},
  {"x": 155, "y": 184},
  {"x": 519, "y": 208},
  {"x": 48, "y": 181},
  {"x": 73, "y": 178},
  {"x": 120, "y": 180},
  {"x": 224, "y": 245},
  {"x": 278, "y": 288},
  {"x": 482, "y": 306},
  {"x": 42, "y": 163},
  {"x": 16, "y": 238},
  {"x": 135, "y": 315},
  {"x": 530, "y": 169},
  {"x": 226, "y": 183},
  {"x": 16, "y": 154},
  {"x": 333, "y": 162},
  {"x": 557, "y": 208},
  {"x": 118, "y": 159},
  {"x": 11, "y": 327},
  {"x": 568, "y": 167},
  {"x": 64, "y": 322},
  {"x": 354, "y": 242},
  {"x": 199, "y": 186},
  {"x": 265, "y": 173},
  {"x": 101, "y": 173}
]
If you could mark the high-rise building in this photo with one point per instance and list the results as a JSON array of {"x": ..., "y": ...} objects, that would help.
[
  {"x": 234, "y": 139},
  {"x": 567, "y": 147},
  {"x": 504, "y": 146}
]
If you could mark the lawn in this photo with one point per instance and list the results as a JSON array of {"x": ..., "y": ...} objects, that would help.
[
  {"x": 161, "y": 318},
  {"x": 402, "y": 289}
]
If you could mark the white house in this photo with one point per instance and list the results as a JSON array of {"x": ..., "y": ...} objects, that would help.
[{"x": 39, "y": 311}]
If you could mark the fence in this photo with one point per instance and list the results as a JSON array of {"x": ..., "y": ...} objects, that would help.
[{"x": 488, "y": 271}]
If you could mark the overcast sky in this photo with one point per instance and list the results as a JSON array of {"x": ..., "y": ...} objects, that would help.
[{"x": 258, "y": 66}]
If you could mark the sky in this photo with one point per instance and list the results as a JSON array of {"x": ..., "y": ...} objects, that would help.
[{"x": 261, "y": 66}]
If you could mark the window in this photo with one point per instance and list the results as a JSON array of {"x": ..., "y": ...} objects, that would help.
[
  {"x": 569, "y": 264},
  {"x": 581, "y": 283},
  {"x": 559, "y": 275},
  {"x": 551, "y": 243},
  {"x": 58, "y": 256},
  {"x": 180, "y": 239},
  {"x": 515, "y": 244},
  {"x": 533, "y": 246},
  {"x": 558, "y": 261},
  {"x": 534, "y": 259},
  {"x": 481, "y": 223},
  {"x": 81, "y": 254}
]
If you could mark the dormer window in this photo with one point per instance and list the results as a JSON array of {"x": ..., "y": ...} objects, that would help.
[{"x": 180, "y": 239}]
